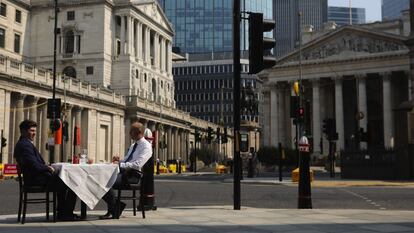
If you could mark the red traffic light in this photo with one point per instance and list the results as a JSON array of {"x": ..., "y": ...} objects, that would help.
[{"x": 301, "y": 112}]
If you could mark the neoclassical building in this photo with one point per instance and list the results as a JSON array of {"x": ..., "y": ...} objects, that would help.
[
  {"x": 114, "y": 64},
  {"x": 357, "y": 75}
]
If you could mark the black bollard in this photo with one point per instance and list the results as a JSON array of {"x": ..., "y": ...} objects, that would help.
[
  {"x": 179, "y": 166},
  {"x": 250, "y": 169},
  {"x": 148, "y": 186},
  {"x": 281, "y": 157},
  {"x": 304, "y": 198},
  {"x": 158, "y": 166}
]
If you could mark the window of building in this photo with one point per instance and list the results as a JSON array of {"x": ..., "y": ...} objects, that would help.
[
  {"x": 89, "y": 70},
  {"x": 69, "y": 71},
  {"x": 2, "y": 37},
  {"x": 69, "y": 42},
  {"x": 70, "y": 15},
  {"x": 18, "y": 17},
  {"x": 3, "y": 9},
  {"x": 16, "y": 43}
]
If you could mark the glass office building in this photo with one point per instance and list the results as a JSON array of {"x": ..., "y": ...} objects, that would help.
[
  {"x": 205, "y": 26},
  {"x": 341, "y": 15},
  {"x": 391, "y": 9},
  {"x": 314, "y": 12}
]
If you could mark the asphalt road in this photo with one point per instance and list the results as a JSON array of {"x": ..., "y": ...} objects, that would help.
[{"x": 210, "y": 190}]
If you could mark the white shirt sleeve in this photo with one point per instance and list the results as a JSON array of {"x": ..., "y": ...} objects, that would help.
[{"x": 141, "y": 155}]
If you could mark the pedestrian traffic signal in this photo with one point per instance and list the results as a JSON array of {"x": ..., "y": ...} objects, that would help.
[
  {"x": 260, "y": 55},
  {"x": 3, "y": 142},
  {"x": 294, "y": 106},
  {"x": 224, "y": 139}
]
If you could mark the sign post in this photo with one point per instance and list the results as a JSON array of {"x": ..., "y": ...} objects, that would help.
[{"x": 304, "y": 198}]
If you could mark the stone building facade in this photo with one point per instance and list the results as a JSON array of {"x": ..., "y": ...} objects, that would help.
[
  {"x": 114, "y": 65},
  {"x": 345, "y": 72}
]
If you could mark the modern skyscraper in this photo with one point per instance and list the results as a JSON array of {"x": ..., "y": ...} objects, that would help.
[
  {"x": 391, "y": 9},
  {"x": 314, "y": 12},
  {"x": 340, "y": 15},
  {"x": 205, "y": 26}
]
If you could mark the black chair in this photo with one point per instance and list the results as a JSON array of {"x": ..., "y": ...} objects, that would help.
[
  {"x": 133, "y": 182},
  {"x": 24, "y": 200}
]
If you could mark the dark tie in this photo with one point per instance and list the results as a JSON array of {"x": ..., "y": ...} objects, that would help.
[{"x": 132, "y": 152}]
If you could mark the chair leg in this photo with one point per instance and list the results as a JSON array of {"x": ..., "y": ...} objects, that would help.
[
  {"x": 54, "y": 206},
  {"x": 134, "y": 202},
  {"x": 47, "y": 205},
  {"x": 24, "y": 207},
  {"x": 118, "y": 204},
  {"x": 20, "y": 207},
  {"x": 141, "y": 203}
]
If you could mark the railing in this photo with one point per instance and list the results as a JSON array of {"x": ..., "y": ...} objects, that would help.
[{"x": 17, "y": 69}]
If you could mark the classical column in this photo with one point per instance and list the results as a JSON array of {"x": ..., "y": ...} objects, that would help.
[
  {"x": 139, "y": 40},
  {"x": 362, "y": 105},
  {"x": 274, "y": 117},
  {"x": 339, "y": 115},
  {"x": 33, "y": 108},
  {"x": 136, "y": 33},
  {"x": 156, "y": 50},
  {"x": 169, "y": 56},
  {"x": 68, "y": 144},
  {"x": 122, "y": 34},
  {"x": 292, "y": 126},
  {"x": 387, "y": 109},
  {"x": 44, "y": 129},
  {"x": 316, "y": 116},
  {"x": 148, "y": 45},
  {"x": 19, "y": 115},
  {"x": 169, "y": 143},
  {"x": 162, "y": 54},
  {"x": 78, "y": 119},
  {"x": 128, "y": 34}
]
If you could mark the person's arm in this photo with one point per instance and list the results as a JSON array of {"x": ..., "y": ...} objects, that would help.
[
  {"x": 140, "y": 157},
  {"x": 27, "y": 157}
]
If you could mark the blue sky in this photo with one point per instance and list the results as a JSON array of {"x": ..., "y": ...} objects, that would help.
[{"x": 372, "y": 7}]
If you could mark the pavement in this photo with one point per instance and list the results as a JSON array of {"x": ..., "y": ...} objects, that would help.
[{"x": 225, "y": 219}]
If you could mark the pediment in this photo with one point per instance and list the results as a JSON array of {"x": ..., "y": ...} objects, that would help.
[
  {"x": 348, "y": 42},
  {"x": 153, "y": 10}
]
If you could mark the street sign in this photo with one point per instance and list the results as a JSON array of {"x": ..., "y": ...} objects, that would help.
[
  {"x": 304, "y": 144},
  {"x": 10, "y": 170}
]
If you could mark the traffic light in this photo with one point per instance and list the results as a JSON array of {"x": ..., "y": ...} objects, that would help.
[
  {"x": 329, "y": 129},
  {"x": 301, "y": 113},
  {"x": 294, "y": 106},
  {"x": 218, "y": 134},
  {"x": 3, "y": 142},
  {"x": 197, "y": 136},
  {"x": 54, "y": 125},
  {"x": 209, "y": 134},
  {"x": 224, "y": 139},
  {"x": 260, "y": 56}
]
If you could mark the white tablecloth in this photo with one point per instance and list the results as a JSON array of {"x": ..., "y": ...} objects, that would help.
[{"x": 90, "y": 181}]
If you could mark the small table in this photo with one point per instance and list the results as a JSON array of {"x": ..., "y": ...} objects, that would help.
[{"x": 90, "y": 182}]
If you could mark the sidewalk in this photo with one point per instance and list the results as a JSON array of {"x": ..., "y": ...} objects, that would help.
[{"x": 225, "y": 219}]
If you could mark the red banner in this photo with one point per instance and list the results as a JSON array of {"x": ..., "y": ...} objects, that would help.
[
  {"x": 10, "y": 169},
  {"x": 58, "y": 135},
  {"x": 77, "y": 136}
]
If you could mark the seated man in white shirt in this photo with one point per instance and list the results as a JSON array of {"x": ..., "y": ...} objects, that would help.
[{"x": 138, "y": 154}]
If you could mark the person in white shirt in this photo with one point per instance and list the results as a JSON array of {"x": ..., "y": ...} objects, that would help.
[{"x": 138, "y": 154}]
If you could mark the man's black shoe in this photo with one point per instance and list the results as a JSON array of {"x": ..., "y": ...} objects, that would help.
[
  {"x": 109, "y": 215},
  {"x": 121, "y": 208},
  {"x": 106, "y": 216}
]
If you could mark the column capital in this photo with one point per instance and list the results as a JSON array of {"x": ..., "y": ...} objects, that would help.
[{"x": 78, "y": 108}]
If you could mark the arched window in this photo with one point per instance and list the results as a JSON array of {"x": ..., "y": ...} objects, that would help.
[
  {"x": 69, "y": 71},
  {"x": 69, "y": 42}
]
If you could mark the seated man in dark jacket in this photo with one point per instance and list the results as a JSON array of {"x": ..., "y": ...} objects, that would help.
[{"x": 36, "y": 172}]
